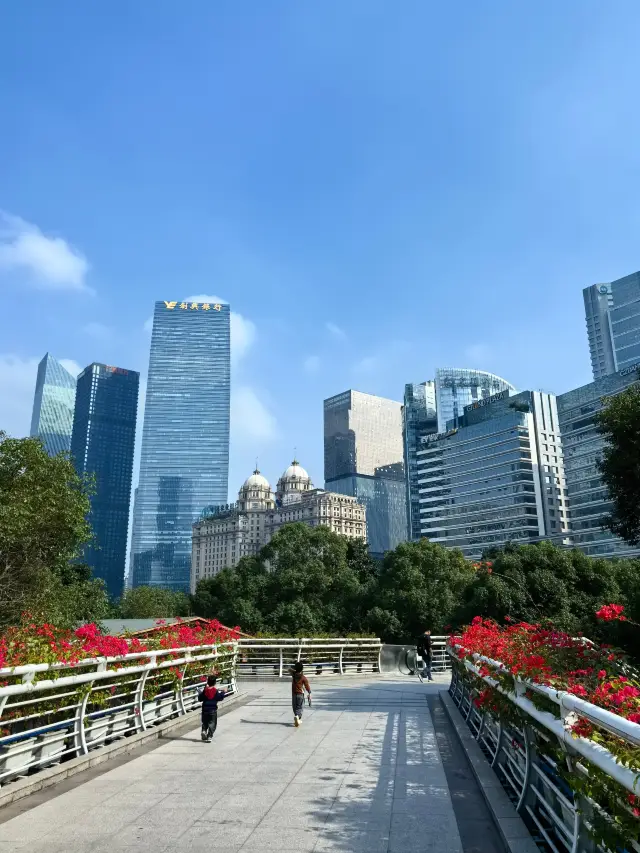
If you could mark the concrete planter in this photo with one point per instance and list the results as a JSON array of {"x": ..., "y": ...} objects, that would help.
[
  {"x": 13, "y": 757},
  {"x": 49, "y": 747},
  {"x": 120, "y": 722},
  {"x": 95, "y": 731}
]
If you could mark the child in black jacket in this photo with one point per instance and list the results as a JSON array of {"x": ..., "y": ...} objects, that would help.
[{"x": 210, "y": 696}]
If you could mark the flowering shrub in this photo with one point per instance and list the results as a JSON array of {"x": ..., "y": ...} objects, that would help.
[{"x": 600, "y": 675}]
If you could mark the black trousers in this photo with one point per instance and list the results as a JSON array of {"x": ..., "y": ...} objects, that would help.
[{"x": 209, "y": 722}]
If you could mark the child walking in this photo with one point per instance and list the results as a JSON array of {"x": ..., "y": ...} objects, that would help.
[
  {"x": 299, "y": 684},
  {"x": 210, "y": 696}
]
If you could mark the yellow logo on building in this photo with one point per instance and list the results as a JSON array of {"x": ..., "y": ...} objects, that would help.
[{"x": 194, "y": 306}]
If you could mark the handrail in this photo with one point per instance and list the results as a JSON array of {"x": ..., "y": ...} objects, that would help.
[
  {"x": 522, "y": 755},
  {"x": 272, "y": 657},
  {"x": 53, "y": 712}
]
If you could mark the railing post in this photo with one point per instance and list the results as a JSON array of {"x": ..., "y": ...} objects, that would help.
[
  {"x": 139, "y": 700},
  {"x": 341, "y": 667},
  {"x": 182, "y": 708},
  {"x": 281, "y": 662}
]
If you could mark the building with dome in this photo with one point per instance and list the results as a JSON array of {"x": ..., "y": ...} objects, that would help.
[{"x": 224, "y": 534}]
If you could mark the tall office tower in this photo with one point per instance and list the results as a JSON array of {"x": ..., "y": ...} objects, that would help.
[
  {"x": 460, "y": 387},
  {"x": 588, "y": 498},
  {"x": 597, "y": 301},
  {"x": 102, "y": 444},
  {"x": 363, "y": 458},
  {"x": 497, "y": 477},
  {"x": 419, "y": 418},
  {"x": 52, "y": 418},
  {"x": 613, "y": 324},
  {"x": 184, "y": 462}
]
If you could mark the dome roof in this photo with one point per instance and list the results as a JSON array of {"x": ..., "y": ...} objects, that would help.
[
  {"x": 256, "y": 480},
  {"x": 295, "y": 471}
]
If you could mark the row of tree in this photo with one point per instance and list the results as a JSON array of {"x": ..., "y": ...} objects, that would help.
[{"x": 311, "y": 581}]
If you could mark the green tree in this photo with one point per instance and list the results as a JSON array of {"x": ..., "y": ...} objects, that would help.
[
  {"x": 153, "y": 602},
  {"x": 235, "y": 596},
  {"x": 44, "y": 506},
  {"x": 540, "y": 582},
  {"x": 419, "y": 587},
  {"x": 619, "y": 423}
]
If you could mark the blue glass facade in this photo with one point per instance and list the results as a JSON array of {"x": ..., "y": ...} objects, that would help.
[
  {"x": 457, "y": 387},
  {"x": 612, "y": 312},
  {"x": 102, "y": 444},
  {"x": 385, "y": 501},
  {"x": 419, "y": 418},
  {"x": 588, "y": 498},
  {"x": 184, "y": 463},
  {"x": 52, "y": 418}
]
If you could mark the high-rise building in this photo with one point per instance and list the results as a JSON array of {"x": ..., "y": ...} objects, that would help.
[
  {"x": 363, "y": 458},
  {"x": 612, "y": 313},
  {"x": 588, "y": 498},
  {"x": 52, "y": 418},
  {"x": 459, "y": 387},
  {"x": 102, "y": 444},
  {"x": 184, "y": 462},
  {"x": 419, "y": 418},
  {"x": 497, "y": 477},
  {"x": 597, "y": 301}
]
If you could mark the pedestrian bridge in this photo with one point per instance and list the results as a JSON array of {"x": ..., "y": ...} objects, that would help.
[
  {"x": 104, "y": 755},
  {"x": 375, "y": 766}
]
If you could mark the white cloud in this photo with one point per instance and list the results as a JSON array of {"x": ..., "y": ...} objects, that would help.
[
  {"x": 243, "y": 331},
  {"x": 311, "y": 364},
  {"x": 17, "y": 387},
  {"x": 366, "y": 365},
  {"x": 72, "y": 366},
  {"x": 250, "y": 418},
  {"x": 98, "y": 331},
  {"x": 335, "y": 331},
  {"x": 51, "y": 262}
]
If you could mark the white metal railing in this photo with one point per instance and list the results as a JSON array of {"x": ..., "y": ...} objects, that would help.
[
  {"x": 269, "y": 657},
  {"x": 525, "y": 756},
  {"x": 441, "y": 662},
  {"x": 51, "y": 712}
]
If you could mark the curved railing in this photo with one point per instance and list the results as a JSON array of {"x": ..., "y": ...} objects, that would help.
[
  {"x": 534, "y": 754},
  {"x": 52, "y": 712},
  {"x": 273, "y": 657}
]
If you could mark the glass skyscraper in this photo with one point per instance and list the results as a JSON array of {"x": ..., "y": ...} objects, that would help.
[
  {"x": 52, "y": 418},
  {"x": 588, "y": 498},
  {"x": 102, "y": 444},
  {"x": 497, "y": 477},
  {"x": 363, "y": 458},
  {"x": 184, "y": 463},
  {"x": 612, "y": 312},
  {"x": 419, "y": 418},
  {"x": 459, "y": 387}
]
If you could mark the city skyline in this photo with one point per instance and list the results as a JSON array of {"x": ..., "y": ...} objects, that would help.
[{"x": 367, "y": 220}]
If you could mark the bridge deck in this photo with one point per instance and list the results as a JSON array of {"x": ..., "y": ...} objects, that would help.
[{"x": 375, "y": 767}]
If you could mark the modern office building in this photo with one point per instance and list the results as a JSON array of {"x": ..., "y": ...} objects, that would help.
[
  {"x": 363, "y": 458},
  {"x": 102, "y": 444},
  {"x": 419, "y": 418},
  {"x": 225, "y": 534},
  {"x": 52, "y": 418},
  {"x": 612, "y": 313},
  {"x": 583, "y": 444},
  {"x": 184, "y": 461},
  {"x": 457, "y": 387},
  {"x": 496, "y": 475}
]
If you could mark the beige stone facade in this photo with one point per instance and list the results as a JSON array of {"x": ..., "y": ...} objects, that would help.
[{"x": 225, "y": 534}]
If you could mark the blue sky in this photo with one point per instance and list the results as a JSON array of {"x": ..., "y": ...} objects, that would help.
[{"x": 377, "y": 189}]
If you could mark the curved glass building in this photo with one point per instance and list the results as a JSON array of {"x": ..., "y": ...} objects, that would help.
[{"x": 457, "y": 387}]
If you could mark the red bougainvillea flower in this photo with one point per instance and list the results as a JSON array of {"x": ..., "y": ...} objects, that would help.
[{"x": 611, "y": 613}]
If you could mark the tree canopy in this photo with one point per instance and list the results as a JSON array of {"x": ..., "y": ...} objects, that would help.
[
  {"x": 44, "y": 506},
  {"x": 152, "y": 602},
  {"x": 619, "y": 423}
]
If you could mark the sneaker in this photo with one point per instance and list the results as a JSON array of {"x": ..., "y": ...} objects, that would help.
[
  {"x": 209, "y": 740},
  {"x": 296, "y": 722},
  {"x": 203, "y": 736},
  {"x": 299, "y": 721}
]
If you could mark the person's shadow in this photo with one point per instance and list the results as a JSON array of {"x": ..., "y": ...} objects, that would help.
[{"x": 265, "y": 723}]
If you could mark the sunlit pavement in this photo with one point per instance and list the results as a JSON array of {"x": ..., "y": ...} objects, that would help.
[{"x": 372, "y": 768}]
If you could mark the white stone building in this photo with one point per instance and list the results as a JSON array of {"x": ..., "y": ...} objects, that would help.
[{"x": 225, "y": 534}]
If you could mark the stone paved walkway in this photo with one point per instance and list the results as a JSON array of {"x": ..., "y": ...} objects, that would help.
[{"x": 363, "y": 773}]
